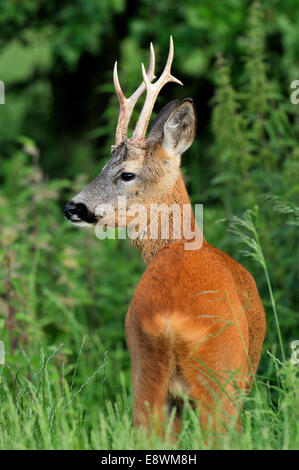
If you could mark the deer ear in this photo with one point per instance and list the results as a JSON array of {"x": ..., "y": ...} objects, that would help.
[
  {"x": 180, "y": 128},
  {"x": 157, "y": 127}
]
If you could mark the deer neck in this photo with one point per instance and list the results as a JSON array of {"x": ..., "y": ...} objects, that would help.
[{"x": 148, "y": 246}]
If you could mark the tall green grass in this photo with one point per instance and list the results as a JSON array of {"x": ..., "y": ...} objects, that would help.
[{"x": 43, "y": 409}]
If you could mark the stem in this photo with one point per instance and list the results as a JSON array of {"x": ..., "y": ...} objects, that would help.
[{"x": 273, "y": 303}]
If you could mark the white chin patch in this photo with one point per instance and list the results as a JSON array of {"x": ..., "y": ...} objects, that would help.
[{"x": 80, "y": 223}]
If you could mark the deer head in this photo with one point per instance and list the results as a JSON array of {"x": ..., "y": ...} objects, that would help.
[{"x": 143, "y": 169}]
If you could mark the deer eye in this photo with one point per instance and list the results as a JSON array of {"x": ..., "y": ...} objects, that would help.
[{"x": 127, "y": 176}]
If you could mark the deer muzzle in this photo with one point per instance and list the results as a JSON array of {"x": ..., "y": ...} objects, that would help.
[{"x": 77, "y": 212}]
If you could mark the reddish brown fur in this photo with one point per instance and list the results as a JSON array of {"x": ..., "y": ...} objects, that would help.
[{"x": 195, "y": 316}]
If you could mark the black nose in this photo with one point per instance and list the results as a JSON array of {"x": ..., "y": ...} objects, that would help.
[{"x": 76, "y": 209}]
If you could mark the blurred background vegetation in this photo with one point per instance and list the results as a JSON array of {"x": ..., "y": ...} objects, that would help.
[{"x": 61, "y": 285}]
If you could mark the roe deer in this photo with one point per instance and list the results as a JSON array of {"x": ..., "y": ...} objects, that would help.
[{"x": 196, "y": 323}]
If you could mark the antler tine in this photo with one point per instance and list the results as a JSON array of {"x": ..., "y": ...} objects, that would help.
[
  {"x": 120, "y": 95},
  {"x": 152, "y": 91},
  {"x": 149, "y": 76},
  {"x": 126, "y": 105}
]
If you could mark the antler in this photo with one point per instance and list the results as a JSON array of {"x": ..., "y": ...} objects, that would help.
[
  {"x": 152, "y": 91},
  {"x": 126, "y": 105}
]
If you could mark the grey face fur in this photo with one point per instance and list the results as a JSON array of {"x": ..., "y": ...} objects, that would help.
[
  {"x": 142, "y": 174},
  {"x": 109, "y": 185}
]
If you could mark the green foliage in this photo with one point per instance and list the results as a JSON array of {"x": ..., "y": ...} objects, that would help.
[
  {"x": 63, "y": 293},
  {"x": 73, "y": 27},
  {"x": 255, "y": 144}
]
